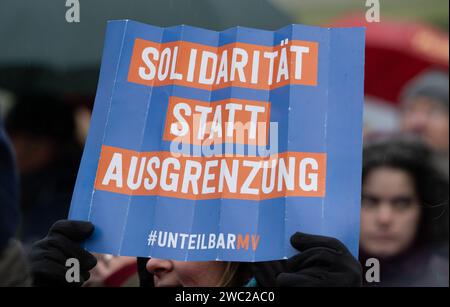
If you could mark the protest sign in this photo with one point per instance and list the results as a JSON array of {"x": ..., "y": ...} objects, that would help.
[{"x": 209, "y": 145}]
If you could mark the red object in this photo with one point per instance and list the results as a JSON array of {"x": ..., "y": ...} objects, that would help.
[
  {"x": 396, "y": 52},
  {"x": 121, "y": 276}
]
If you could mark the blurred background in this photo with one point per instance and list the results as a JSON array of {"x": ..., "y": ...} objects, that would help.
[{"x": 49, "y": 70}]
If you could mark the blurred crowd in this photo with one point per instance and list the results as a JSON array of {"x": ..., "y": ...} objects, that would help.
[{"x": 404, "y": 201}]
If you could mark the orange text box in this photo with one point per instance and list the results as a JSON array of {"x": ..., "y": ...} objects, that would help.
[
  {"x": 236, "y": 64},
  {"x": 240, "y": 177},
  {"x": 226, "y": 121}
]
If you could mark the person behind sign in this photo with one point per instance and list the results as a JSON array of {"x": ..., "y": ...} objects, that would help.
[
  {"x": 13, "y": 263},
  {"x": 42, "y": 131},
  {"x": 424, "y": 113},
  {"x": 323, "y": 261},
  {"x": 404, "y": 214}
]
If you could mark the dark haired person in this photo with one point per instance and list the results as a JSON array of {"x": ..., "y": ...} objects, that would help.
[
  {"x": 13, "y": 266},
  {"x": 42, "y": 132},
  {"x": 404, "y": 214}
]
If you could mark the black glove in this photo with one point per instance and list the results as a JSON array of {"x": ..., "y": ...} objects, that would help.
[
  {"x": 322, "y": 262},
  {"x": 48, "y": 257}
]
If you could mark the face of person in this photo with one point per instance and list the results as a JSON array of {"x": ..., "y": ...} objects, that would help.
[
  {"x": 390, "y": 212},
  {"x": 168, "y": 273},
  {"x": 427, "y": 119}
]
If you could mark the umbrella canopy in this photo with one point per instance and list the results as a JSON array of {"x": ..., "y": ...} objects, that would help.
[
  {"x": 396, "y": 52},
  {"x": 41, "y": 49}
]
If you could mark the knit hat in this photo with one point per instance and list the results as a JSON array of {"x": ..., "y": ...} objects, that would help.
[{"x": 432, "y": 84}]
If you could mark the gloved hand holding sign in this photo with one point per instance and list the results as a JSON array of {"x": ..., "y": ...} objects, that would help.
[
  {"x": 48, "y": 257},
  {"x": 322, "y": 261}
]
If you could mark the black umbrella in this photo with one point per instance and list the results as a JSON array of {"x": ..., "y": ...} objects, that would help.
[{"x": 40, "y": 50}]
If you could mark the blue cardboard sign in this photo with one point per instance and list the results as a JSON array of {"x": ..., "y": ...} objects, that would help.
[{"x": 209, "y": 145}]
